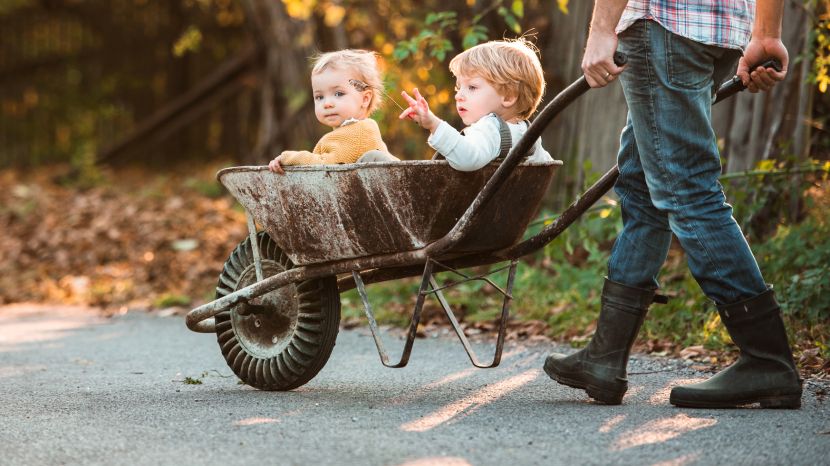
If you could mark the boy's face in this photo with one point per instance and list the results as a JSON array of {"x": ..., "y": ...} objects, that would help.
[
  {"x": 335, "y": 99},
  {"x": 475, "y": 98}
]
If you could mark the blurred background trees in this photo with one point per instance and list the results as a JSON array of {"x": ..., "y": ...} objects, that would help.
[{"x": 153, "y": 82}]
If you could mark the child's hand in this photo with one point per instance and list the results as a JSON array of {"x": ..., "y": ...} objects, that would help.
[
  {"x": 419, "y": 111},
  {"x": 275, "y": 165}
]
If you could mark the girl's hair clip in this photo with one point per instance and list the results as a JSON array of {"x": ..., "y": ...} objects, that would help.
[
  {"x": 359, "y": 85},
  {"x": 362, "y": 86}
]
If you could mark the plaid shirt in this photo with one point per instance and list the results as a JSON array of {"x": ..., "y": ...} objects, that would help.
[{"x": 725, "y": 23}]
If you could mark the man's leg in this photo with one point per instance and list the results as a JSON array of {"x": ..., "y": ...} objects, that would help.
[
  {"x": 669, "y": 103},
  {"x": 668, "y": 90},
  {"x": 641, "y": 248},
  {"x": 638, "y": 253}
]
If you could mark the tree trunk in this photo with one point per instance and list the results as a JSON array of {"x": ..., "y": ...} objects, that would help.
[{"x": 285, "y": 121}]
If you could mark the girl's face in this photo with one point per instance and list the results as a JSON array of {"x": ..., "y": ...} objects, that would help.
[
  {"x": 476, "y": 98},
  {"x": 335, "y": 99}
]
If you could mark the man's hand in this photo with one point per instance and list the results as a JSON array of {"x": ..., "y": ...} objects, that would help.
[
  {"x": 759, "y": 51},
  {"x": 598, "y": 61},
  {"x": 419, "y": 111}
]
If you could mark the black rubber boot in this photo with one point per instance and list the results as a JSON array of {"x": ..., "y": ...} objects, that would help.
[
  {"x": 764, "y": 373},
  {"x": 600, "y": 367}
]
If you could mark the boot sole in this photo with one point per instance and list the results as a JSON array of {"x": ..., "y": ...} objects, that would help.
[
  {"x": 768, "y": 402},
  {"x": 609, "y": 397}
]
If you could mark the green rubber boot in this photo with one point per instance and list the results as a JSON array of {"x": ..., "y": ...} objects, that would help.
[
  {"x": 764, "y": 373},
  {"x": 600, "y": 367}
]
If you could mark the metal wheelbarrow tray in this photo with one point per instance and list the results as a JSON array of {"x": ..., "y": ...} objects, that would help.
[
  {"x": 320, "y": 214},
  {"x": 328, "y": 229}
]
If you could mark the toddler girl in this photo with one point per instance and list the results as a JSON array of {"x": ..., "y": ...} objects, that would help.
[{"x": 346, "y": 88}]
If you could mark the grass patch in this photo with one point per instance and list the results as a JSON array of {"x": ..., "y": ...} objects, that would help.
[
  {"x": 207, "y": 187},
  {"x": 192, "y": 381},
  {"x": 171, "y": 300}
]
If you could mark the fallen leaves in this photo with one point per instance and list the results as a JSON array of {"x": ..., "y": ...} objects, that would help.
[{"x": 139, "y": 238}]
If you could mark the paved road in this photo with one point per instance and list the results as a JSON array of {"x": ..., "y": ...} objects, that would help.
[{"x": 79, "y": 389}]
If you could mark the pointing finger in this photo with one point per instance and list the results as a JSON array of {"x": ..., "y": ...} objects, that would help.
[{"x": 409, "y": 99}]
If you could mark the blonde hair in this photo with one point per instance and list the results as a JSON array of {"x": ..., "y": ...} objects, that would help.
[
  {"x": 364, "y": 65},
  {"x": 511, "y": 66}
]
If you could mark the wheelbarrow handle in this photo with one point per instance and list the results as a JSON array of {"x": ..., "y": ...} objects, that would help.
[
  {"x": 620, "y": 58},
  {"x": 604, "y": 184},
  {"x": 735, "y": 85}
]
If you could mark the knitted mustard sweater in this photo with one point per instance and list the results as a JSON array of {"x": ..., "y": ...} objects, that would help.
[{"x": 342, "y": 145}]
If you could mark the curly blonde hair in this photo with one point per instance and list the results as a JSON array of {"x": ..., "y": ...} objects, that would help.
[
  {"x": 511, "y": 66},
  {"x": 364, "y": 65}
]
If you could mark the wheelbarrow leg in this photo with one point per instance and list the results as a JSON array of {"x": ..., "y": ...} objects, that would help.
[
  {"x": 253, "y": 306},
  {"x": 505, "y": 313},
  {"x": 413, "y": 325},
  {"x": 254, "y": 246},
  {"x": 430, "y": 286}
]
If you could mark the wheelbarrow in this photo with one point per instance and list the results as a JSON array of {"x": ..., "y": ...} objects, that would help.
[{"x": 327, "y": 229}]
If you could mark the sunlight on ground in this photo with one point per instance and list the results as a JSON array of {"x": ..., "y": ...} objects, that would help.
[
  {"x": 36, "y": 323},
  {"x": 611, "y": 423},
  {"x": 685, "y": 459},
  {"x": 421, "y": 391},
  {"x": 17, "y": 371},
  {"x": 661, "y": 430},
  {"x": 438, "y": 461},
  {"x": 253, "y": 421},
  {"x": 471, "y": 403}
]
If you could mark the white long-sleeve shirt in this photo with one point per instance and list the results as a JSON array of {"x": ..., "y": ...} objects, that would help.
[{"x": 480, "y": 143}]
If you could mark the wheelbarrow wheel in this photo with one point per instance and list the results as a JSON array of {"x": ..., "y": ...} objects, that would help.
[{"x": 289, "y": 335}]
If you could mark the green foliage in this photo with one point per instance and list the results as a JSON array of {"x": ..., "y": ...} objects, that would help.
[
  {"x": 475, "y": 34},
  {"x": 438, "y": 30},
  {"x": 391, "y": 302},
  {"x": 189, "y": 41},
  {"x": 765, "y": 197},
  {"x": 83, "y": 153},
  {"x": 431, "y": 39},
  {"x": 207, "y": 187},
  {"x": 820, "y": 74},
  {"x": 170, "y": 300},
  {"x": 797, "y": 258}
]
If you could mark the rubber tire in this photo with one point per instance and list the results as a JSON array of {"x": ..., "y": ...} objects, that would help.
[{"x": 313, "y": 337}]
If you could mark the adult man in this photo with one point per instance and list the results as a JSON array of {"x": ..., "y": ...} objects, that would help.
[{"x": 669, "y": 167}]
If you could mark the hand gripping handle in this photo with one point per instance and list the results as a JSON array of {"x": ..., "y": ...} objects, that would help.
[{"x": 735, "y": 85}]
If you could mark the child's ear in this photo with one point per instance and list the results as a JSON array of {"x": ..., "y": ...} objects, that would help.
[
  {"x": 508, "y": 101},
  {"x": 367, "y": 99}
]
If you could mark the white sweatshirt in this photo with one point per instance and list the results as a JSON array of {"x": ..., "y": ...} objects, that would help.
[{"x": 480, "y": 143}]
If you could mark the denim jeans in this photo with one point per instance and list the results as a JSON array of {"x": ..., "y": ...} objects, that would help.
[{"x": 669, "y": 168}]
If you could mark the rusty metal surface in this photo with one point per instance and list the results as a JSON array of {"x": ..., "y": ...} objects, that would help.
[
  {"x": 267, "y": 333},
  {"x": 319, "y": 214}
]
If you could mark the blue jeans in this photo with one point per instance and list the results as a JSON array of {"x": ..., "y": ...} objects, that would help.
[{"x": 669, "y": 168}]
